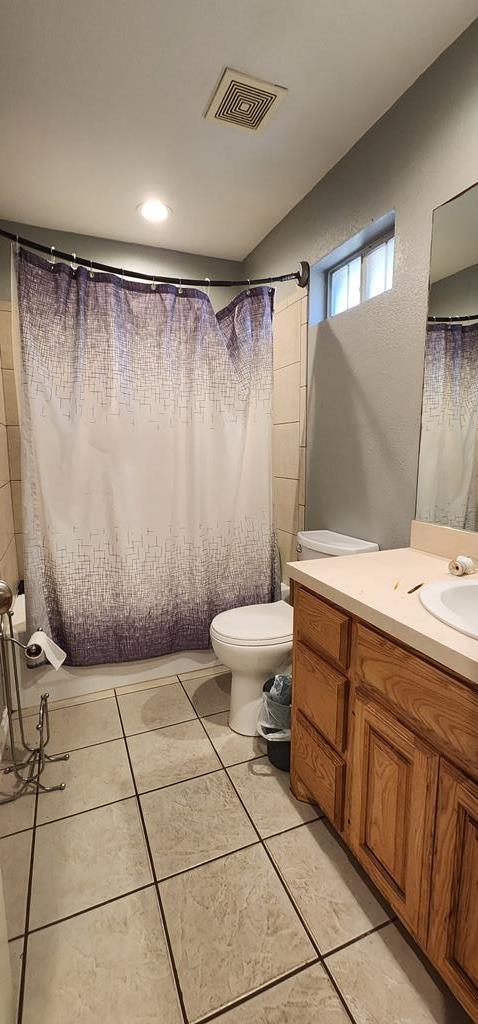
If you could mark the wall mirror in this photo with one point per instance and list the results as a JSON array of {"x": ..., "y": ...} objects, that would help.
[{"x": 447, "y": 491}]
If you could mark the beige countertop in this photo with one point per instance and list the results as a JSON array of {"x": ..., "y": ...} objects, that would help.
[{"x": 375, "y": 588}]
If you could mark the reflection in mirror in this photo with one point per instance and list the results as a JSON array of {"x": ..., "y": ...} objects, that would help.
[{"x": 448, "y": 466}]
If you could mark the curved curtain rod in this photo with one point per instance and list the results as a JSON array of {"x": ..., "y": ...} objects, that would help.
[
  {"x": 301, "y": 276},
  {"x": 451, "y": 319}
]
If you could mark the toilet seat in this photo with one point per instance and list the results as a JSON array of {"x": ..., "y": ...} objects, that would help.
[{"x": 254, "y": 625}]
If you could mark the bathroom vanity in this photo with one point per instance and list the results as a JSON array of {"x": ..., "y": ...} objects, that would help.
[{"x": 385, "y": 740}]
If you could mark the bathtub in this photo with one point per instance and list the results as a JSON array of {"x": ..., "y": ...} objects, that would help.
[{"x": 71, "y": 681}]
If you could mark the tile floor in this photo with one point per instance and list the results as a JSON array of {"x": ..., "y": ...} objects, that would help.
[{"x": 177, "y": 880}]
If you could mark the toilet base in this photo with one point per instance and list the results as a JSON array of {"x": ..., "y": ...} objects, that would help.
[{"x": 246, "y": 700}]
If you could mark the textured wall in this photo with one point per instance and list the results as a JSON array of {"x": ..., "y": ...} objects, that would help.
[{"x": 366, "y": 365}]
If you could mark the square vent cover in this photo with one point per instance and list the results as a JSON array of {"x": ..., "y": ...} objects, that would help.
[{"x": 244, "y": 101}]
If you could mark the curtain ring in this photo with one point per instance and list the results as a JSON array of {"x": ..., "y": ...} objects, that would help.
[
  {"x": 248, "y": 290},
  {"x": 208, "y": 279},
  {"x": 180, "y": 289},
  {"x": 153, "y": 285},
  {"x": 74, "y": 265},
  {"x": 52, "y": 256},
  {"x": 91, "y": 274}
]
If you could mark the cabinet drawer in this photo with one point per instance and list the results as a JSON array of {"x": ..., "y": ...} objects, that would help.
[
  {"x": 444, "y": 710},
  {"x": 321, "y": 627},
  {"x": 320, "y": 692},
  {"x": 319, "y": 768}
]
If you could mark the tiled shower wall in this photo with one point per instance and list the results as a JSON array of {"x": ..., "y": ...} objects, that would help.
[
  {"x": 289, "y": 422},
  {"x": 9, "y": 455},
  {"x": 289, "y": 436}
]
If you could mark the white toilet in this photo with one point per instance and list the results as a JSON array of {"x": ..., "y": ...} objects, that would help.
[{"x": 255, "y": 641}]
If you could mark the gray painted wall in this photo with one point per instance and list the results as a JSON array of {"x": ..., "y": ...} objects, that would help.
[
  {"x": 144, "y": 258},
  {"x": 456, "y": 295},
  {"x": 366, "y": 365}
]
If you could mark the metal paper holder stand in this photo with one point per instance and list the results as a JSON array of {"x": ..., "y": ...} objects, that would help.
[{"x": 28, "y": 771}]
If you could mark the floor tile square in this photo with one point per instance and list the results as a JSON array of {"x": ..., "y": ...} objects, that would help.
[
  {"x": 110, "y": 965},
  {"x": 210, "y": 692},
  {"x": 232, "y": 928},
  {"x": 79, "y": 725},
  {"x": 152, "y": 709},
  {"x": 93, "y": 776},
  {"x": 334, "y": 900},
  {"x": 14, "y": 871},
  {"x": 194, "y": 821},
  {"x": 382, "y": 979},
  {"x": 307, "y": 998},
  {"x": 266, "y": 793},
  {"x": 169, "y": 755},
  {"x": 87, "y": 859},
  {"x": 230, "y": 746},
  {"x": 18, "y": 814}
]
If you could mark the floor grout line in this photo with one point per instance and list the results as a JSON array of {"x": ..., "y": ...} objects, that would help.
[
  {"x": 338, "y": 992},
  {"x": 204, "y": 863},
  {"x": 8, "y": 835},
  {"x": 358, "y": 938},
  {"x": 190, "y": 778},
  {"x": 159, "y": 728},
  {"x": 156, "y": 885},
  {"x": 266, "y": 987},
  {"x": 94, "y": 906},
  {"x": 21, "y": 989},
  {"x": 85, "y": 810}
]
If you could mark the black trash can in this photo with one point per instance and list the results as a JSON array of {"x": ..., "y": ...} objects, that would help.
[{"x": 278, "y": 751}]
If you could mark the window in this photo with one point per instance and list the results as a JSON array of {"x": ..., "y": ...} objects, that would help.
[{"x": 365, "y": 275}]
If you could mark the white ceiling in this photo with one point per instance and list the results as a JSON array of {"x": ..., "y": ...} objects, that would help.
[
  {"x": 102, "y": 104},
  {"x": 455, "y": 236}
]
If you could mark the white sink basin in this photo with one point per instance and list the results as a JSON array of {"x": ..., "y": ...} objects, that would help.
[{"x": 454, "y": 601}]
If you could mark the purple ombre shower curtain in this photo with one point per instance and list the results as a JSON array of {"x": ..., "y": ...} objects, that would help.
[
  {"x": 146, "y": 459},
  {"x": 447, "y": 490}
]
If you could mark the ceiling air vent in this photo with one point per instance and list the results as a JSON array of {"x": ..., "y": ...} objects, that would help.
[{"x": 244, "y": 101}]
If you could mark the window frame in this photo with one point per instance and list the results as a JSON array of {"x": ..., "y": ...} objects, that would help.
[{"x": 364, "y": 251}]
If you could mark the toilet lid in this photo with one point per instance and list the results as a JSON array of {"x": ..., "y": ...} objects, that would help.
[{"x": 255, "y": 625}]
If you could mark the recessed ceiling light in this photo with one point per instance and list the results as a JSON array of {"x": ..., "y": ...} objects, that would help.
[{"x": 154, "y": 210}]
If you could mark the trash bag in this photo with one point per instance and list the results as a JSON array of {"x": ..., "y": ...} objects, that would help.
[
  {"x": 273, "y": 716},
  {"x": 274, "y": 721}
]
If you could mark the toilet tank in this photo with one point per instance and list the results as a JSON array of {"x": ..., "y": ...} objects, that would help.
[{"x": 326, "y": 543}]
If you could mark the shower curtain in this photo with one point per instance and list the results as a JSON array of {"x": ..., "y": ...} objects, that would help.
[
  {"x": 447, "y": 477},
  {"x": 146, "y": 459}
]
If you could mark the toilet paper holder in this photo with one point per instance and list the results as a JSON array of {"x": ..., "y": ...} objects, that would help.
[{"x": 28, "y": 770}]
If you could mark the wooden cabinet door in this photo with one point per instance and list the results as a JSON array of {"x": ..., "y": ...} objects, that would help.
[
  {"x": 392, "y": 809},
  {"x": 453, "y": 937}
]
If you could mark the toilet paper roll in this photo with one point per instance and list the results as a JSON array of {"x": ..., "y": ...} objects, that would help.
[
  {"x": 462, "y": 565},
  {"x": 52, "y": 652}
]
